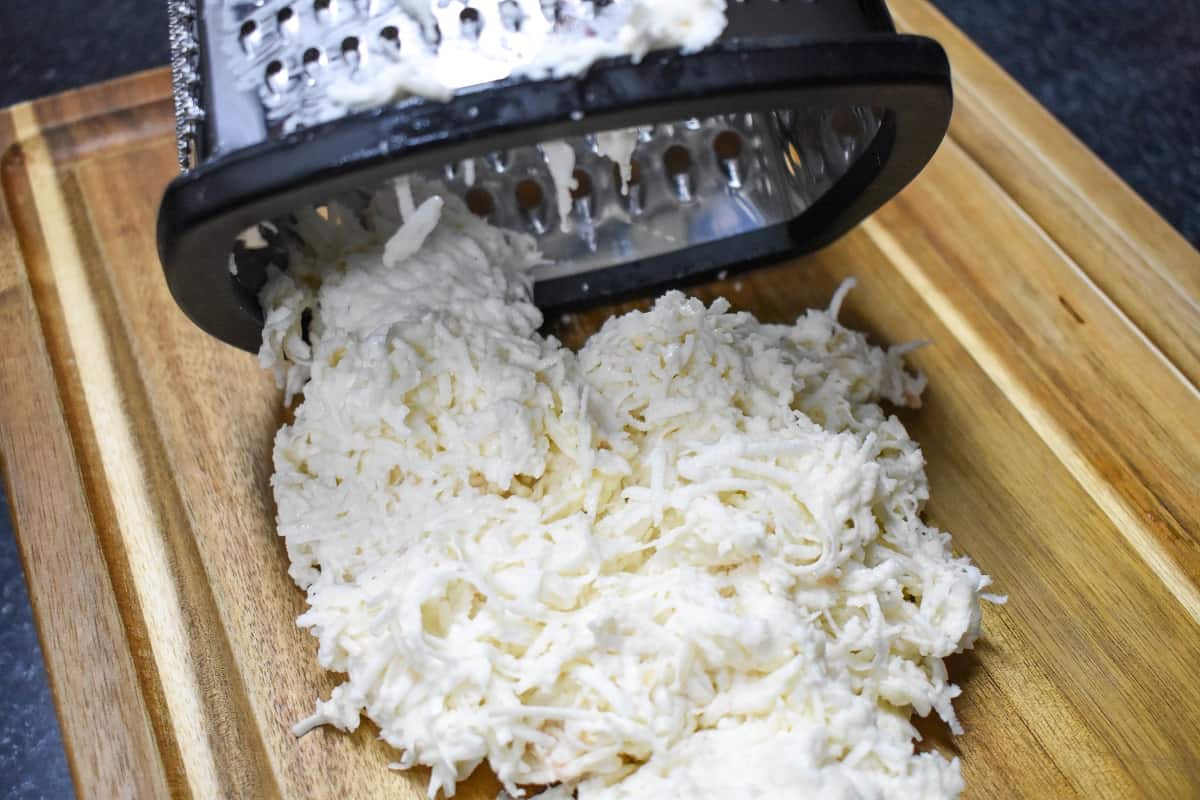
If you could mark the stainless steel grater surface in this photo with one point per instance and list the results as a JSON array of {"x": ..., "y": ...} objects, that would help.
[{"x": 803, "y": 117}]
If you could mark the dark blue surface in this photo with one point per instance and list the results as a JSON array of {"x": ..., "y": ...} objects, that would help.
[
  {"x": 31, "y": 755},
  {"x": 1124, "y": 75}
]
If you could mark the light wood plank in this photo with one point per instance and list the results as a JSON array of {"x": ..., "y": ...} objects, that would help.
[
  {"x": 1079, "y": 371},
  {"x": 90, "y": 667},
  {"x": 167, "y": 591},
  {"x": 1139, "y": 262}
]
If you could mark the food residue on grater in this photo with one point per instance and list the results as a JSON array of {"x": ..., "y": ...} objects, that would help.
[
  {"x": 630, "y": 28},
  {"x": 560, "y": 161},
  {"x": 618, "y": 147},
  {"x": 695, "y": 543},
  {"x": 534, "y": 48}
]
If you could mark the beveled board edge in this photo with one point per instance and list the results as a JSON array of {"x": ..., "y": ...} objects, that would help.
[
  {"x": 90, "y": 665},
  {"x": 1137, "y": 276},
  {"x": 198, "y": 713}
]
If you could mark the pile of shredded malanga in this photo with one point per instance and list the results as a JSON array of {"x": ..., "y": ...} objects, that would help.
[{"x": 686, "y": 561}]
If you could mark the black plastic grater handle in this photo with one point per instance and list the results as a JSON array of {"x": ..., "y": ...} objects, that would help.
[{"x": 204, "y": 210}]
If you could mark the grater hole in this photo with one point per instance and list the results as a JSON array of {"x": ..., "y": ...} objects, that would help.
[
  {"x": 582, "y": 187},
  {"x": 633, "y": 192},
  {"x": 288, "y": 22},
  {"x": 581, "y": 195},
  {"x": 480, "y": 202},
  {"x": 728, "y": 145},
  {"x": 351, "y": 53},
  {"x": 529, "y": 195},
  {"x": 389, "y": 39},
  {"x": 471, "y": 22},
  {"x": 249, "y": 35},
  {"x": 312, "y": 61},
  {"x": 325, "y": 10},
  {"x": 277, "y": 76},
  {"x": 530, "y": 202},
  {"x": 677, "y": 160}
]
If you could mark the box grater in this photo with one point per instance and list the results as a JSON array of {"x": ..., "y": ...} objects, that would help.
[{"x": 802, "y": 118}]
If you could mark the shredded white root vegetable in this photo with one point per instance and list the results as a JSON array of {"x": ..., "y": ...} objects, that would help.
[{"x": 686, "y": 561}]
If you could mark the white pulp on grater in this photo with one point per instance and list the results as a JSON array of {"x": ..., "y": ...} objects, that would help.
[
  {"x": 631, "y": 28},
  {"x": 685, "y": 561},
  {"x": 527, "y": 43}
]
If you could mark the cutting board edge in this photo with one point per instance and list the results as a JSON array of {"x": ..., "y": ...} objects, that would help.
[{"x": 41, "y": 501}]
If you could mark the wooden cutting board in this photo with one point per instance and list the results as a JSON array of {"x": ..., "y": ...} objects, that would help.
[{"x": 1062, "y": 431}]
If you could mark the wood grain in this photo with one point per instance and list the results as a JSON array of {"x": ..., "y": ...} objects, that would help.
[
  {"x": 1136, "y": 259},
  {"x": 1059, "y": 430},
  {"x": 87, "y": 648}
]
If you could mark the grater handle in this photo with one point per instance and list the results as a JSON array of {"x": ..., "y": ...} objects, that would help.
[{"x": 205, "y": 210}]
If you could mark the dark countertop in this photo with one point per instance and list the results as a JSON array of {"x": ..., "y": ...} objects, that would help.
[{"x": 1124, "y": 75}]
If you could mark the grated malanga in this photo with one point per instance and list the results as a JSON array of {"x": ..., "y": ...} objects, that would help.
[{"x": 686, "y": 561}]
